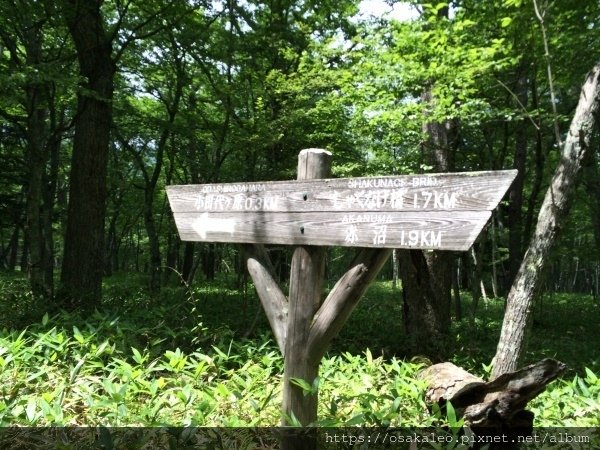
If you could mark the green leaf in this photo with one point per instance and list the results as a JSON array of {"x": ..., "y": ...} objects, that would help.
[
  {"x": 302, "y": 384},
  {"x": 441, "y": 6},
  {"x": 77, "y": 335},
  {"x": 356, "y": 420},
  {"x": 333, "y": 406},
  {"x": 292, "y": 420},
  {"x": 591, "y": 377},
  {"x": 137, "y": 356},
  {"x": 584, "y": 389},
  {"x": 451, "y": 414},
  {"x": 315, "y": 385},
  {"x": 101, "y": 348}
]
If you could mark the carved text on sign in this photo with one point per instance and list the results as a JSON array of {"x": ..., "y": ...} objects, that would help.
[
  {"x": 437, "y": 211},
  {"x": 239, "y": 202}
]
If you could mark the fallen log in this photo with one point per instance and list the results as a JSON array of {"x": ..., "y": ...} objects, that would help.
[{"x": 495, "y": 405}]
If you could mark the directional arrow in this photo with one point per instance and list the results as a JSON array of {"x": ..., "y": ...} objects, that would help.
[
  {"x": 434, "y": 230},
  {"x": 435, "y": 211},
  {"x": 205, "y": 224}
]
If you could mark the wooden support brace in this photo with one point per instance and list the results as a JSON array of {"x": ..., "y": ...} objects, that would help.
[
  {"x": 342, "y": 299},
  {"x": 272, "y": 298}
]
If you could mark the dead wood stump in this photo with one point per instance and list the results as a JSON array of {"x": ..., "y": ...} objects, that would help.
[{"x": 497, "y": 406}]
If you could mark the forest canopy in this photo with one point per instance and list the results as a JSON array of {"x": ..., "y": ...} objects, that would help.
[{"x": 198, "y": 92}]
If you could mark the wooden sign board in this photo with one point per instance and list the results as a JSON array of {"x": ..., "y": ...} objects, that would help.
[{"x": 437, "y": 211}]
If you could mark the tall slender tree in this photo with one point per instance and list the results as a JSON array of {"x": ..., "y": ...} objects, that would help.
[
  {"x": 101, "y": 37},
  {"x": 36, "y": 48},
  {"x": 556, "y": 205},
  {"x": 83, "y": 260}
]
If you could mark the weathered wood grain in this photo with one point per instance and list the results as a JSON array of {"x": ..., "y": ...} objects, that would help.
[
  {"x": 435, "y": 230},
  {"x": 342, "y": 300},
  {"x": 496, "y": 404},
  {"x": 435, "y": 192},
  {"x": 272, "y": 298},
  {"x": 306, "y": 290}
]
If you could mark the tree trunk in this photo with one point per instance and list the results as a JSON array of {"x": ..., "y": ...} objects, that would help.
[
  {"x": 51, "y": 184},
  {"x": 426, "y": 279},
  {"x": 555, "y": 207},
  {"x": 395, "y": 269},
  {"x": 12, "y": 249},
  {"x": 456, "y": 291},
  {"x": 207, "y": 252},
  {"x": 111, "y": 257},
  {"x": 188, "y": 261},
  {"x": 591, "y": 180},
  {"x": 427, "y": 276},
  {"x": 33, "y": 223},
  {"x": 494, "y": 251},
  {"x": 477, "y": 290},
  {"x": 24, "y": 259},
  {"x": 81, "y": 277},
  {"x": 37, "y": 156},
  {"x": 153, "y": 241},
  {"x": 540, "y": 160},
  {"x": 515, "y": 205}
]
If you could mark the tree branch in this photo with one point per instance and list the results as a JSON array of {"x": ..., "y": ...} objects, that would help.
[{"x": 540, "y": 17}]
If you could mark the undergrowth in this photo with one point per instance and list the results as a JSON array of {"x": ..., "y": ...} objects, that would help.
[{"x": 206, "y": 358}]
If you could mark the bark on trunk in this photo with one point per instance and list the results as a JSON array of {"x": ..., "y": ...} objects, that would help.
[
  {"x": 208, "y": 256},
  {"x": 456, "y": 291},
  {"x": 33, "y": 224},
  {"x": 153, "y": 241},
  {"x": 555, "y": 207},
  {"x": 591, "y": 180},
  {"x": 188, "y": 261},
  {"x": 427, "y": 276},
  {"x": 540, "y": 160},
  {"x": 395, "y": 269},
  {"x": 37, "y": 156},
  {"x": 477, "y": 290},
  {"x": 13, "y": 249},
  {"x": 81, "y": 277},
  {"x": 515, "y": 205},
  {"x": 426, "y": 281},
  {"x": 50, "y": 183}
]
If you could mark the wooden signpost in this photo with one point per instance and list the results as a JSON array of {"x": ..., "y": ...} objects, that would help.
[
  {"x": 437, "y": 212},
  {"x": 376, "y": 214}
]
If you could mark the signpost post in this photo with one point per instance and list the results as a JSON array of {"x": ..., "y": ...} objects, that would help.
[{"x": 431, "y": 212}]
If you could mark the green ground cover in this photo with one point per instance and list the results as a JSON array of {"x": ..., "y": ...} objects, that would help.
[{"x": 206, "y": 358}]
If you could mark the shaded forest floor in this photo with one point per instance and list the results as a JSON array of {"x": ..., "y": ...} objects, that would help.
[{"x": 205, "y": 357}]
